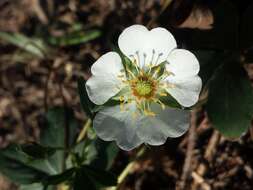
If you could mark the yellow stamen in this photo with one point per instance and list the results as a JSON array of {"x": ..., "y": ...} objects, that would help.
[
  {"x": 122, "y": 100},
  {"x": 149, "y": 113},
  {"x": 136, "y": 65},
  {"x": 134, "y": 115},
  {"x": 130, "y": 72},
  {"x": 157, "y": 70},
  {"x": 162, "y": 94},
  {"x": 161, "y": 104}
]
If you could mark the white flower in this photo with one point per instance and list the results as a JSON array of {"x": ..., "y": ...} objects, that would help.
[{"x": 157, "y": 70}]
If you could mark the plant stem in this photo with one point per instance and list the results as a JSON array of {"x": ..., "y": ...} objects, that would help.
[
  {"x": 125, "y": 172},
  {"x": 84, "y": 131},
  {"x": 128, "y": 168}
]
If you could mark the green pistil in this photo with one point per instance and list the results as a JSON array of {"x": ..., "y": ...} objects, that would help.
[{"x": 143, "y": 88}]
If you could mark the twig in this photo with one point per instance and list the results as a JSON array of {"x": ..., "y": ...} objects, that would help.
[
  {"x": 212, "y": 146},
  {"x": 37, "y": 9},
  {"x": 209, "y": 153},
  {"x": 189, "y": 153},
  {"x": 200, "y": 180}
]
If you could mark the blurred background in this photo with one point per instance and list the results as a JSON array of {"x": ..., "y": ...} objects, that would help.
[{"x": 46, "y": 45}]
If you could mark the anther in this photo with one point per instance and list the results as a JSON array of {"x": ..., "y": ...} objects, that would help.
[
  {"x": 134, "y": 115},
  {"x": 149, "y": 113},
  {"x": 169, "y": 73},
  {"x": 158, "y": 57},
  {"x": 130, "y": 72},
  {"x": 161, "y": 104},
  {"x": 162, "y": 94},
  {"x": 138, "y": 57},
  {"x": 121, "y": 98},
  {"x": 144, "y": 56},
  {"x": 157, "y": 71}
]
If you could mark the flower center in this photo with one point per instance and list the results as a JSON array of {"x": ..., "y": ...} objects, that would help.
[{"x": 143, "y": 87}]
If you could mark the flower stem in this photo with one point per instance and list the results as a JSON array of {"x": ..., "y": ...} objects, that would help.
[
  {"x": 84, "y": 131},
  {"x": 128, "y": 168},
  {"x": 125, "y": 172}
]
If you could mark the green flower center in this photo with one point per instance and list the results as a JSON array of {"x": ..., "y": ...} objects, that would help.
[{"x": 143, "y": 88}]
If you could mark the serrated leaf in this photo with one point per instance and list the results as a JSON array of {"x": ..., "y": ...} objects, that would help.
[
  {"x": 85, "y": 152},
  {"x": 86, "y": 104},
  {"x": 96, "y": 153},
  {"x": 230, "y": 102},
  {"x": 93, "y": 179},
  {"x": 15, "y": 165},
  {"x": 35, "y": 186},
  {"x": 37, "y": 151},
  {"x": 105, "y": 154},
  {"x": 82, "y": 182},
  {"x": 99, "y": 177},
  {"x": 57, "y": 135},
  {"x": 67, "y": 175}
]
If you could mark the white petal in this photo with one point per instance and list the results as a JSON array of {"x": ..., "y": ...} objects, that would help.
[
  {"x": 109, "y": 63},
  {"x": 153, "y": 46},
  {"x": 167, "y": 123},
  {"x": 182, "y": 63},
  {"x": 185, "y": 90},
  {"x": 113, "y": 124},
  {"x": 105, "y": 82}
]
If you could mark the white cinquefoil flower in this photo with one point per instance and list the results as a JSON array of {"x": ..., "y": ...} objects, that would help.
[{"x": 156, "y": 70}]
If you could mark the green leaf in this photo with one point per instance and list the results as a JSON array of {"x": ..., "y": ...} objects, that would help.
[
  {"x": 35, "y": 186},
  {"x": 85, "y": 152},
  {"x": 57, "y": 179},
  {"x": 37, "y": 151},
  {"x": 74, "y": 38},
  {"x": 230, "y": 102},
  {"x": 105, "y": 154},
  {"x": 158, "y": 69},
  {"x": 170, "y": 101},
  {"x": 95, "y": 152},
  {"x": 99, "y": 177},
  {"x": 86, "y": 104},
  {"x": 34, "y": 46},
  {"x": 209, "y": 61},
  {"x": 93, "y": 179},
  {"x": 127, "y": 63},
  {"x": 15, "y": 165},
  {"x": 112, "y": 102},
  {"x": 60, "y": 133},
  {"x": 82, "y": 182}
]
